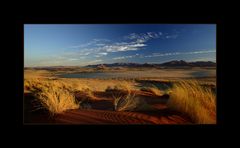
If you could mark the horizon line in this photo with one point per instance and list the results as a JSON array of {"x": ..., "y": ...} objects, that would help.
[{"x": 117, "y": 62}]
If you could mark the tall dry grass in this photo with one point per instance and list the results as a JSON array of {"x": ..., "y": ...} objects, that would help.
[
  {"x": 57, "y": 100},
  {"x": 198, "y": 102},
  {"x": 55, "y": 96}
]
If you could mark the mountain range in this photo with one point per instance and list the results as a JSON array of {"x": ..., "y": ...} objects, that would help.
[
  {"x": 171, "y": 64},
  {"x": 174, "y": 63}
]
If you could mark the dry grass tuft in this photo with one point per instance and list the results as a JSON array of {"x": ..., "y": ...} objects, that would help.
[
  {"x": 194, "y": 100},
  {"x": 57, "y": 100},
  {"x": 130, "y": 102},
  {"x": 55, "y": 96}
]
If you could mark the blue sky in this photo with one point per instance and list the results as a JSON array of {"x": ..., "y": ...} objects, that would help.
[{"x": 86, "y": 44}]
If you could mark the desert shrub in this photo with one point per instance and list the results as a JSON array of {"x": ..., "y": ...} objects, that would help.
[
  {"x": 130, "y": 102},
  {"x": 53, "y": 95},
  {"x": 197, "y": 102},
  {"x": 57, "y": 100},
  {"x": 125, "y": 98}
]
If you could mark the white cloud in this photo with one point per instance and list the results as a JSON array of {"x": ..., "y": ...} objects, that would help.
[
  {"x": 94, "y": 61},
  {"x": 178, "y": 53},
  {"x": 117, "y": 47},
  {"x": 102, "y": 47},
  {"x": 137, "y": 45},
  {"x": 201, "y": 51},
  {"x": 103, "y": 53},
  {"x": 72, "y": 59},
  {"x": 119, "y": 58},
  {"x": 142, "y": 37},
  {"x": 149, "y": 56}
]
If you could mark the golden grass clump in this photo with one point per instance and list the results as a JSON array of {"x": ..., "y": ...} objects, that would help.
[
  {"x": 198, "y": 102},
  {"x": 57, "y": 100},
  {"x": 55, "y": 96}
]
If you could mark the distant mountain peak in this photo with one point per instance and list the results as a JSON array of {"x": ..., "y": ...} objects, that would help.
[{"x": 174, "y": 63}]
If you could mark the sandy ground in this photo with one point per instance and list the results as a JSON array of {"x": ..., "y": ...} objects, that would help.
[
  {"x": 102, "y": 112},
  {"x": 104, "y": 115},
  {"x": 102, "y": 108}
]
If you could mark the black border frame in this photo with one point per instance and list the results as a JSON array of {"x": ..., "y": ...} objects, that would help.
[{"x": 134, "y": 20}]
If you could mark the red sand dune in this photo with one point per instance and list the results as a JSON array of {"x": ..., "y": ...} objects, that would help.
[
  {"x": 102, "y": 113},
  {"x": 112, "y": 117}
]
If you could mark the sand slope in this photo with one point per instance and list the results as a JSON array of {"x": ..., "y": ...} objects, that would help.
[
  {"x": 102, "y": 112},
  {"x": 111, "y": 117}
]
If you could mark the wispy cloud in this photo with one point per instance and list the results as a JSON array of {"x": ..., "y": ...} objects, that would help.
[
  {"x": 101, "y": 54},
  {"x": 72, "y": 59},
  {"x": 98, "y": 48},
  {"x": 123, "y": 57},
  {"x": 143, "y": 37},
  {"x": 179, "y": 53},
  {"x": 201, "y": 51},
  {"x": 123, "y": 47},
  {"x": 94, "y": 42},
  {"x": 163, "y": 54},
  {"x": 94, "y": 61},
  {"x": 102, "y": 49}
]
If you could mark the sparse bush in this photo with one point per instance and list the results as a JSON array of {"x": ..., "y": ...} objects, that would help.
[
  {"x": 130, "y": 102},
  {"x": 53, "y": 95},
  {"x": 196, "y": 101},
  {"x": 57, "y": 100},
  {"x": 125, "y": 98}
]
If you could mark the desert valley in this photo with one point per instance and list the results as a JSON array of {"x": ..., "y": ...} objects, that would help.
[{"x": 169, "y": 93}]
